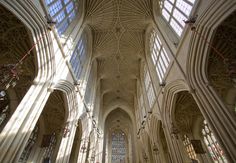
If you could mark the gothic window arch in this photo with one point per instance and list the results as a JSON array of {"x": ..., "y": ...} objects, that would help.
[
  {"x": 49, "y": 143},
  {"x": 78, "y": 57},
  {"x": 141, "y": 104},
  {"x": 189, "y": 148},
  {"x": 175, "y": 12},
  {"x": 63, "y": 12},
  {"x": 160, "y": 57},
  {"x": 90, "y": 92},
  {"x": 149, "y": 87},
  {"x": 118, "y": 145},
  {"x": 214, "y": 149}
]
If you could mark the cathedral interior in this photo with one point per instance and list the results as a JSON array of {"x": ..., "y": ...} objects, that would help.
[{"x": 117, "y": 81}]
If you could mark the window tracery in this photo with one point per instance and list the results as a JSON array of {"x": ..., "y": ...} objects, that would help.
[
  {"x": 159, "y": 56},
  {"x": 215, "y": 151},
  {"x": 63, "y": 11},
  {"x": 189, "y": 148},
  {"x": 49, "y": 143},
  {"x": 141, "y": 106},
  {"x": 175, "y": 12},
  {"x": 79, "y": 56},
  {"x": 4, "y": 106},
  {"x": 149, "y": 87},
  {"x": 29, "y": 146},
  {"x": 118, "y": 147}
]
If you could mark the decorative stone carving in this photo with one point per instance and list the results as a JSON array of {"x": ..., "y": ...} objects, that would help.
[{"x": 222, "y": 69}]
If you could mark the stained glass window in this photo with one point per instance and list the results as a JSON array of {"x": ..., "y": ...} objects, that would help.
[
  {"x": 4, "y": 106},
  {"x": 79, "y": 56},
  {"x": 149, "y": 87},
  {"x": 189, "y": 148},
  {"x": 49, "y": 143},
  {"x": 118, "y": 144},
  {"x": 29, "y": 146},
  {"x": 63, "y": 12},
  {"x": 213, "y": 146},
  {"x": 159, "y": 56},
  {"x": 175, "y": 12}
]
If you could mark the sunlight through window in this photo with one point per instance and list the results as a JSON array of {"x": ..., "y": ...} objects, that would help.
[
  {"x": 118, "y": 147},
  {"x": 159, "y": 56},
  {"x": 79, "y": 56},
  {"x": 175, "y": 12},
  {"x": 149, "y": 88},
  {"x": 213, "y": 146},
  {"x": 63, "y": 12}
]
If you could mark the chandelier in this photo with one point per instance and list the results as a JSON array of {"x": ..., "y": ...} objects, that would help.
[{"x": 9, "y": 74}]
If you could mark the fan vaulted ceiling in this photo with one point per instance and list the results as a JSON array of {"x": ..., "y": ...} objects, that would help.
[{"x": 118, "y": 28}]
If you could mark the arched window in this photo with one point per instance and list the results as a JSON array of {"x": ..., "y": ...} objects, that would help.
[
  {"x": 141, "y": 105},
  {"x": 213, "y": 147},
  {"x": 49, "y": 141},
  {"x": 118, "y": 145},
  {"x": 159, "y": 56},
  {"x": 189, "y": 148},
  {"x": 4, "y": 106},
  {"x": 29, "y": 146},
  {"x": 63, "y": 12},
  {"x": 89, "y": 93},
  {"x": 175, "y": 12},
  {"x": 149, "y": 87},
  {"x": 78, "y": 57}
]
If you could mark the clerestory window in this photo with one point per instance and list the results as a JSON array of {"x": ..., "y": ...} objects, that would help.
[
  {"x": 78, "y": 57},
  {"x": 159, "y": 56},
  {"x": 63, "y": 12},
  {"x": 149, "y": 88},
  {"x": 141, "y": 106},
  {"x": 175, "y": 12}
]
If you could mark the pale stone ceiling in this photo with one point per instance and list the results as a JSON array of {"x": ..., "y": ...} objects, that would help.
[
  {"x": 118, "y": 44},
  {"x": 118, "y": 120}
]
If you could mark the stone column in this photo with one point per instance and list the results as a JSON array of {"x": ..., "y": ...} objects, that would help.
[
  {"x": 17, "y": 131},
  {"x": 172, "y": 143},
  {"x": 218, "y": 116}
]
